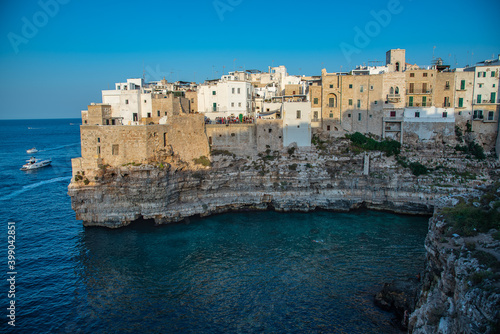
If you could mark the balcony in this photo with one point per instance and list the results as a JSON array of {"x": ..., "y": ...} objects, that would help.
[
  {"x": 418, "y": 91},
  {"x": 486, "y": 101},
  {"x": 446, "y": 105}
]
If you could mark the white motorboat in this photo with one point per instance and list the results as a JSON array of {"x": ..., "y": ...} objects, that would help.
[
  {"x": 32, "y": 150},
  {"x": 34, "y": 163}
]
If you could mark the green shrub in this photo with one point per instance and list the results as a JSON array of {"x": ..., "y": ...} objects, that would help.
[
  {"x": 467, "y": 220},
  {"x": 203, "y": 160},
  {"x": 291, "y": 150},
  {"x": 418, "y": 169},
  {"x": 293, "y": 167},
  {"x": 390, "y": 147}
]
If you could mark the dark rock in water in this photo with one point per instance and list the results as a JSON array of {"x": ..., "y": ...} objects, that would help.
[{"x": 399, "y": 297}]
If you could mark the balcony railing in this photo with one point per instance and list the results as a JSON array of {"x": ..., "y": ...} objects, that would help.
[
  {"x": 486, "y": 101},
  {"x": 446, "y": 105},
  {"x": 418, "y": 91}
]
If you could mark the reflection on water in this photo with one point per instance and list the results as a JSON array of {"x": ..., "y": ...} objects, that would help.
[{"x": 246, "y": 272}]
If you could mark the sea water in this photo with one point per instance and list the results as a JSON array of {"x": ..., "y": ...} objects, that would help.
[{"x": 232, "y": 273}]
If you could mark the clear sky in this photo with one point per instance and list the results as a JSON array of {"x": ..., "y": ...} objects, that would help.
[{"x": 57, "y": 55}]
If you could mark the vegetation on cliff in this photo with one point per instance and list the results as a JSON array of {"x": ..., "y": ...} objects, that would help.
[{"x": 476, "y": 215}]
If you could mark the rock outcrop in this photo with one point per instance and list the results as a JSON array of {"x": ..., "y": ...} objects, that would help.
[{"x": 461, "y": 286}]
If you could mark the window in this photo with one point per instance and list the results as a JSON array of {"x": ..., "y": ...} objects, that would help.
[
  {"x": 478, "y": 74},
  {"x": 331, "y": 86},
  {"x": 447, "y": 85},
  {"x": 491, "y": 114},
  {"x": 165, "y": 113},
  {"x": 493, "y": 97},
  {"x": 410, "y": 101},
  {"x": 315, "y": 100},
  {"x": 165, "y": 139},
  {"x": 424, "y": 101},
  {"x": 158, "y": 113},
  {"x": 149, "y": 115},
  {"x": 315, "y": 115},
  {"x": 417, "y": 114},
  {"x": 478, "y": 114},
  {"x": 239, "y": 104},
  {"x": 331, "y": 115},
  {"x": 371, "y": 87},
  {"x": 492, "y": 74},
  {"x": 424, "y": 75},
  {"x": 115, "y": 149},
  {"x": 375, "y": 102},
  {"x": 331, "y": 102},
  {"x": 359, "y": 116},
  {"x": 478, "y": 98},
  {"x": 397, "y": 67},
  {"x": 239, "y": 90},
  {"x": 126, "y": 101},
  {"x": 214, "y": 107},
  {"x": 359, "y": 104},
  {"x": 361, "y": 88},
  {"x": 232, "y": 90},
  {"x": 270, "y": 130},
  {"x": 233, "y": 134},
  {"x": 99, "y": 150},
  {"x": 460, "y": 102},
  {"x": 391, "y": 91},
  {"x": 232, "y": 104},
  {"x": 412, "y": 87},
  {"x": 393, "y": 113},
  {"x": 298, "y": 114},
  {"x": 350, "y": 85},
  {"x": 98, "y": 140},
  {"x": 135, "y": 118},
  {"x": 213, "y": 92},
  {"x": 446, "y": 103},
  {"x": 412, "y": 75},
  {"x": 350, "y": 102},
  {"x": 462, "y": 85},
  {"x": 349, "y": 115},
  {"x": 328, "y": 128},
  {"x": 145, "y": 101},
  {"x": 396, "y": 91},
  {"x": 480, "y": 85},
  {"x": 484, "y": 74},
  {"x": 445, "y": 114}
]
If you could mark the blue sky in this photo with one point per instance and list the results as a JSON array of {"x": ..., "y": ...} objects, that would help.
[{"x": 57, "y": 55}]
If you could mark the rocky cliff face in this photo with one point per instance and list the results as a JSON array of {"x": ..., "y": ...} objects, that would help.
[
  {"x": 461, "y": 287},
  {"x": 290, "y": 180}
]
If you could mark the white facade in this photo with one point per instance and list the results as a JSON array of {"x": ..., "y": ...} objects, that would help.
[
  {"x": 128, "y": 102},
  {"x": 429, "y": 115},
  {"x": 297, "y": 123},
  {"x": 226, "y": 98},
  {"x": 486, "y": 88}
]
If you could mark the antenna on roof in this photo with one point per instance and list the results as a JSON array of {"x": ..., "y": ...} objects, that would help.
[{"x": 143, "y": 72}]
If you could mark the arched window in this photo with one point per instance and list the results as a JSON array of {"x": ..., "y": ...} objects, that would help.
[
  {"x": 391, "y": 91},
  {"x": 397, "y": 67},
  {"x": 396, "y": 91}
]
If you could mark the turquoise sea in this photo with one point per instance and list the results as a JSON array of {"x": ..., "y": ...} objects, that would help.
[{"x": 252, "y": 272}]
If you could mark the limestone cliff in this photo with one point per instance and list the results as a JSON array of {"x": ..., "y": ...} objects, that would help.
[
  {"x": 287, "y": 180},
  {"x": 461, "y": 288}
]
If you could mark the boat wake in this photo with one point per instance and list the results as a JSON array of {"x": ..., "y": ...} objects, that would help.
[
  {"x": 33, "y": 186},
  {"x": 58, "y": 147}
]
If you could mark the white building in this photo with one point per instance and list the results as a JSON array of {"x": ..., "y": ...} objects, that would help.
[
  {"x": 429, "y": 115},
  {"x": 297, "y": 123},
  {"x": 128, "y": 101},
  {"x": 225, "y": 98}
]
